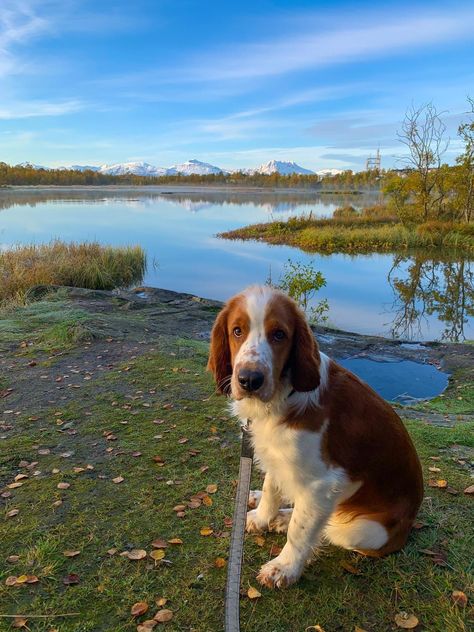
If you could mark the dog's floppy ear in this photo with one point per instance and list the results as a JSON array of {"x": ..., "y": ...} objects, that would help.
[
  {"x": 304, "y": 356},
  {"x": 219, "y": 362}
]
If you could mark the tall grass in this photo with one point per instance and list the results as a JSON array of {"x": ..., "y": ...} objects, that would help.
[
  {"x": 360, "y": 233},
  {"x": 88, "y": 265}
]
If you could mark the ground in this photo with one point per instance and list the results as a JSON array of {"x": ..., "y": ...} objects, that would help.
[{"x": 107, "y": 396}]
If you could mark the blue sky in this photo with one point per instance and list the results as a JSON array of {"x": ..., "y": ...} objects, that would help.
[{"x": 234, "y": 84}]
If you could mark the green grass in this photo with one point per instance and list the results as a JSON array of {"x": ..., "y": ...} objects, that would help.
[
  {"x": 87, "y": 265},
  {"x": 170, "y": 384},
  {"x": 360, "y": 234}
]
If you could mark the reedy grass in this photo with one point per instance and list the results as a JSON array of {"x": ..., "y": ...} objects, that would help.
[
  {"x": 360, "y": 234},
  {"x": 88, "y": 265}
]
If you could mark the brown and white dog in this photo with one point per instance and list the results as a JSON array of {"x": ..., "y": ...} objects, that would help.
[{"x": 339, "y": 465}]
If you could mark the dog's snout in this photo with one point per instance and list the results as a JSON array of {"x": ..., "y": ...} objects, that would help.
[{"x": 250, "y": 380}]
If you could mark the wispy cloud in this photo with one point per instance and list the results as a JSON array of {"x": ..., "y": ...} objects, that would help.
[
  {"x": 33, "y": 109},
  {"x": 317, "y": 48}
]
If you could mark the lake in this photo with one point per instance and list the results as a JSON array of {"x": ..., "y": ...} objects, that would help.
[{"x": 407, "y": 297}]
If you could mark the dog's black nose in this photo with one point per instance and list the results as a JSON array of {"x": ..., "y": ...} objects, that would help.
[{"x": 250, "y": 380}]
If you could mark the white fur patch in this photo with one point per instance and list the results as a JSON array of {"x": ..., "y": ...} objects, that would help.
[{"x": 360, "y": 533}]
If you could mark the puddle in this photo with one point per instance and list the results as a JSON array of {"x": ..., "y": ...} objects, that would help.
[{"x": 402, "y": 381}]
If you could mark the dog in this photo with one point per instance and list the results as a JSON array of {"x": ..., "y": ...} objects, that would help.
[{"x": 339, "y": 465}]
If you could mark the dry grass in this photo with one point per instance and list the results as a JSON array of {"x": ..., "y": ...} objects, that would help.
[{"x": 87, "y": 265}]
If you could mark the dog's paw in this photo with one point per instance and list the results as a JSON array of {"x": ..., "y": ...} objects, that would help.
[
  {"x": 255, "y": 524},
  {"x": 277, "y": 574},
  {"x": 280, "y": 523},
  {"x": 254, "y": 498}
]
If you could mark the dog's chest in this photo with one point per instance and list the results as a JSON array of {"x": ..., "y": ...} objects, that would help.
[{"x": 291, "y": 456}]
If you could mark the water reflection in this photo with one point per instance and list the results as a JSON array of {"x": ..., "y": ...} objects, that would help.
[{"x": 427, "y": 287}]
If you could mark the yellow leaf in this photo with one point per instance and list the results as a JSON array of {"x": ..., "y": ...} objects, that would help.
[
  {"x": 157, "y": 554},
  {"x": 175, "y": 541},
  {"x": 161, "y": 601},
  {"x": 21, "y": 579},
  {"x": 253, "y": 593},
  {"x": 211, "y": 489},
  {"x": 219, "y": 562},
  {"x": 207, "y": 500},
  {"x": 259, "y": 540},
  {"x": 206, "y": 531}
]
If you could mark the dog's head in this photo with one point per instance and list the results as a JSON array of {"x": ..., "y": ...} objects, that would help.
[{"x": 260, "y": 342}]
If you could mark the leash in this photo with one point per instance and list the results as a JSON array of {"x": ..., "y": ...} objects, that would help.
[{"x": 232, "y": 591}]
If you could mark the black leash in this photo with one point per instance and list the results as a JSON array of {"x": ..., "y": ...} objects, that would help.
[{"x": 232, "y": 592}]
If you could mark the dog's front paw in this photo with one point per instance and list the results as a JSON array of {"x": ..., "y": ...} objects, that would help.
[
  {"x": 255, "y": 524},
  {"x": 278, "y": 574}
]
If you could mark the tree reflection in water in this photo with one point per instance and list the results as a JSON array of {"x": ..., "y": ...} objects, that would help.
[{"x": 426, "y": 287}]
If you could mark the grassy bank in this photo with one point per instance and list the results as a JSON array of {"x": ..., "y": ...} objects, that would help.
[
  {"x": 132, "y": 427},
  {"x": 360, "y": 234},
  {"x": 87, "y": 265}
]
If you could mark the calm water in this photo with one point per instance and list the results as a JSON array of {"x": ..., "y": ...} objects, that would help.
[{"x": 411, "y": 298}]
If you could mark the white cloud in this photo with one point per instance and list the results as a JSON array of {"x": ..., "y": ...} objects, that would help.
[{"x": 33, "y": 109}]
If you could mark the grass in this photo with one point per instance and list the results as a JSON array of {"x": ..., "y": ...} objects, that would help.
[
  {"x": 360, "y": 233},
  {"x": 150, "y": 402},
  {"x": 87, "y": 265}
]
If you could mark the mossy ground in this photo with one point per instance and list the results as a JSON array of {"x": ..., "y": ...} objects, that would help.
[{"x": 153, "y": 395}]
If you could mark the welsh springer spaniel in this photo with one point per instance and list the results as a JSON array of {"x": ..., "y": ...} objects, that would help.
[{"x": 339, "y": 465}]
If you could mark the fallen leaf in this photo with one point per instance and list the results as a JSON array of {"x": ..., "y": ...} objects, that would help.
[
  {"x": 419, "y": 525},
  {"x": 469, "y": 490},
  {"x": 71, "y": 579},
  {"x": 459, "y": 598},
  {"x": 112, "y": 551},
  {"x": 314, "y": 628},
  {"x": 349, "y": 568},
  {"x": 64, "y": 485},
  {"x": 71, "y": 553},
  {"x": 19, "y": 622},
  {"x": 434, "y": 469},
  {"x": 12, "y": 513},
  {"x": 275, "y": 550},
  {"x": 21, "y": 579},
  {"x": 207, "y": 500},
  {"x": 259, "y": 540},
  {"x": 139, "y": 608},
  {"x": 357, "y": 629},
  {"x": 159, "y": 544},
  {"x": 20, "y": 477},
  {"x": 183, "y": 440},
  {"x": 161, "y": 601},
  {"x": 211, "y": 489},
  {"x": 146, "y": 626},
  {"x": 157, "y": 554},
  {"x": 441, "y": 483},
  {"x": 15, "y": 485},
  {"x": 179, "y": 507},
  {"x": 206, "y": 531},
  {"x": 406, "y": 621},
  {"x": 13, "y": 559},
  {"x": 11, "y": 580},
  {"x": 253, "y": 593},
  {"x": 219, "y": 562},
  {"x": 118, "y": 479},
  {"x": 162, "y": 616},
  {"x": 136, "y": 554},
  {"x": 175, "y": 541}
]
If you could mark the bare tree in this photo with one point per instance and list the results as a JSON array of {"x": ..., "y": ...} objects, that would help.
[{"x": 423, "y": 132}]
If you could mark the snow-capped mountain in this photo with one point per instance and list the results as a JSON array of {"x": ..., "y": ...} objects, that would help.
[
  {"x": 30, "y": 165},
  {"x": 82, "y": 168},
  {"x": 134, "y": 168},
  {"x": 194, "y": 167},
  {"x": 283, "y": 168},
  {"x": 329, "y": 172}
]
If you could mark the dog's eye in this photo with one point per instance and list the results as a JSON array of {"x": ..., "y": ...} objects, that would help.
[
  {"x": 279, "y": 335},
  {"x": 237, "y": 332}
]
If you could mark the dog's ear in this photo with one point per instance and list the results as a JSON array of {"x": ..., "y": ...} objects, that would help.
[
  {"x": 304, "y": 356},
  {"x": 219, "y": 362}
]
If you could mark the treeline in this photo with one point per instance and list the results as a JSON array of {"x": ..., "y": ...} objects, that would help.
[{"x": 347, "y": 181}]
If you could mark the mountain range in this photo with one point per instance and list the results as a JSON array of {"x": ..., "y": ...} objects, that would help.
[{"x": 190, "y": 167}]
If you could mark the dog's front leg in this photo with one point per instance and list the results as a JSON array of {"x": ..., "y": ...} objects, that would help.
[
  {"x": 310, "y": 514},
  {"x": 259, "y": 519}
]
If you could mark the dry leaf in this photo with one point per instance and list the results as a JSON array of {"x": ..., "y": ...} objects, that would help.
[
  {"x": 275, "y": 550},
  {"x": 259, "y": 540},
  {"x": 136, "y": 554},
  {"x": 20, "y": 477},
  {"x": 253, "y": 593},
  {"x": 12, "y": 513},
  {"x": 314, "y": 628},
  {"x": 13, "y": 559},
  {"x": 175, "y": 541},
  {"x": 71, "y": 579},
  {"x": 207, "y": 500},
  {"x": 206, "y": 531},
  {"x": 159, "y": 544},
  {"x": 157, "y": 554},
  {"x": 139, "y": 608},
  {"x": 219, "y": 562},
  {"x": 459, "y": 598},
  {"x": 19, "y": 622},
  {"x": 146, "y": 626},
  {"x": 15, "y": 485},
  {"x": 434, "y": 469},
  {"x": 162, "y": 616},
  {"x": 118, "y": 479},
  {"x": 71, "y": 553},
  {"x": 161, "y": 601},
  {"x": 406, "y": 621},
  {"x": 349, "y": 568},
  {"x": 469, "y": 490},
  {"x": 211, "y": 489},
  {"x": 11, "y": 580},
  {"x": 64, "y": 485},
  {"x": 441, "y": 483},
  {"x": 179, "y": 507}
]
